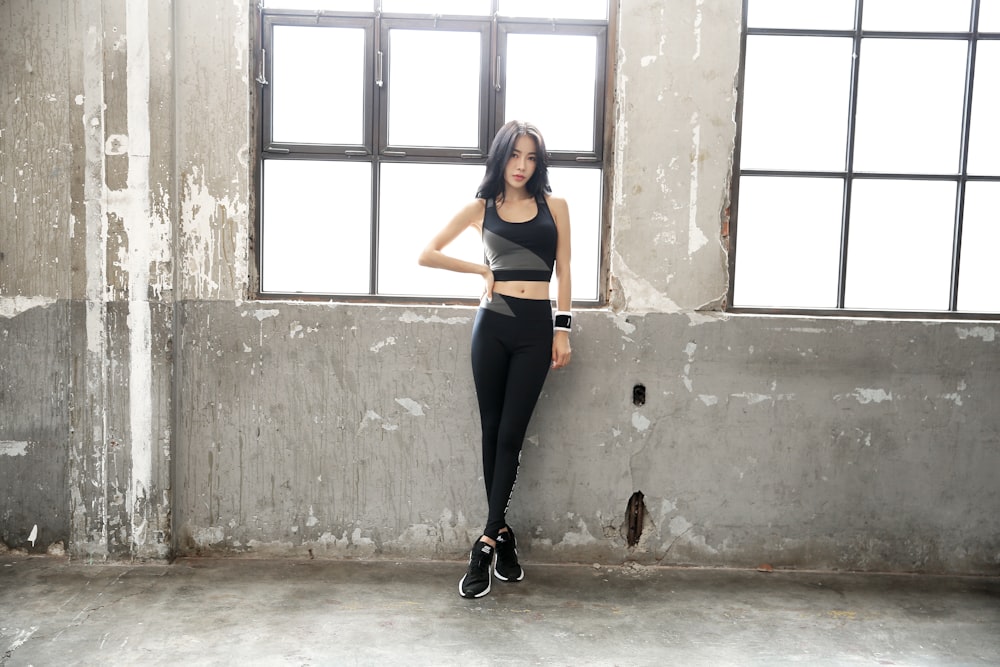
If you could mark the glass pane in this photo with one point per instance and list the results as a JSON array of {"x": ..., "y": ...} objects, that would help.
[
  {"x": 434, "y": 88},
  {"x": 796, "y": 102},
  {"x": 402, "y": 235},
  {"x": 979, "y": 275},
  {"x": 440, "y": 7},
  {"x": 910, "y": 102},
  {"x": 899, "y": 247},
  {"x": 581, "y": 188},
  {"x": 917, "y": 15},
  {"x": 828, "y": 15},
  {"x": 984, "y": 138},
  {"x": 328, "y": 5},
  {"x": 989, "y": 16},
  {"x": 561, "y": 103},
  {"x": 788, "y": 242},
  {"x": 316, "y": 226},
  {"x": 314, "y": 102},
  {"x": 555, "y": 9}
]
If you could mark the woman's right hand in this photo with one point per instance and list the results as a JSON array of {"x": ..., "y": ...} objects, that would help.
[{"x": 488, "y": 287}]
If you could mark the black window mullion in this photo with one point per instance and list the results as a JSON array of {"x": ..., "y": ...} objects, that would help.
[
  {"x": 267, "y": 52},
  {"x": 376, "y": 87},
  {"x": 852, "y": 118},
  {"x": 491, "y": 117},
  {"x": 963, "y": 171},
  {"x": 487, "y": 110},
  {"x": 734, "y": 195},
  {"x": 600, "y": 86}
]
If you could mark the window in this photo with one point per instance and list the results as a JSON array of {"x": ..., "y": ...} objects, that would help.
[
  {"x": 376, "y": 117},
  {"x": 869, "y": 158}
]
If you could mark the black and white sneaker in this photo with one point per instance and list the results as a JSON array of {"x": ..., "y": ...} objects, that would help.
[
  {"x": 476, "y": 582},
  {"x": 507, "y": 567}
]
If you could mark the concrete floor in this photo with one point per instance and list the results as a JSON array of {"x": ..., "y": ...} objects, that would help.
[{"x": 282, "y": 612}]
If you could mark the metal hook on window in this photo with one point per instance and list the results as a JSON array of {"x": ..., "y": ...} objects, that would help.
[{"x": 261, "y": 79}]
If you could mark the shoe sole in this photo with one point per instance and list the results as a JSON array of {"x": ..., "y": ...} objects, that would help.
[
  {"x": 489, "y": 581},
  {"x": 461, "y": 592},
  {"x": 499, "y": 576},
  {"x": 503, "y": 578}
]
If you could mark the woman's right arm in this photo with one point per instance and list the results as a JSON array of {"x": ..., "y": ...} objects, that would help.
[{"x": 433, "y": 256}]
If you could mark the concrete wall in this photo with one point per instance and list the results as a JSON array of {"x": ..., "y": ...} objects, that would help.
[{"x": 149, "y": 406}]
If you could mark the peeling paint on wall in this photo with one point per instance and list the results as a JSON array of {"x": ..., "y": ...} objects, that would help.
[
  {"x": 13, "y": 448},
  {"x": 210, "y": 535},
  {"x": 148, "y": 241},
  {"x": 696, "y": 317},
  {"x": 391, "y": 340},
  {"x": 371, "y": 416},
  {"x": 211, "y": 257},
  {"x": 640, "y": 422},
  {"x": 641, "y": 295},
  {"x": 754, "y": 398},
  {"x": 696, "y": 239},
  {"x": 956, "y": 397},
  {"x": 689, "y": 351},
  {"x": 697, "y": 30},
  {"x": 88, "y": 473},
  {"x": 580, "y": 538},
  {"x": 264, "y": 314},
  {"x": 621, "y": 321},
  {"x": 410, "y": 317},
  {"x": 11, "y": 306},
  {"x": 411, "y": 406},
  {"x": 986, "y": 334},
  {"x": 865, "y": 395}
]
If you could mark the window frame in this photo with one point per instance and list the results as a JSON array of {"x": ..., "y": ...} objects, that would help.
[
  {"x": 543, "y": 27},
  {"x": 376, "y": 150},
  {"x": 849, "y": 175},
  {"x": 268, "y": 23}
]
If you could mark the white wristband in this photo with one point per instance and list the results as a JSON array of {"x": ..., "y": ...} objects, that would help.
[{"x": 563, "y": 320}]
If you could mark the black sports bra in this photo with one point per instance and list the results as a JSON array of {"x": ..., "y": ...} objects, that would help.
[{"x": 520, "y": 250}]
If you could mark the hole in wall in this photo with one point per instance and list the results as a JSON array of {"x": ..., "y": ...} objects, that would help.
[
  {"x": 635, "y": 514},
  {"x": 639, "y": 394}
]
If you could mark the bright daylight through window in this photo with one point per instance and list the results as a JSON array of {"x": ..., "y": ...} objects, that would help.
[
  {"x": 869, "y": 157},
  {"x": 376, "y": 116}
]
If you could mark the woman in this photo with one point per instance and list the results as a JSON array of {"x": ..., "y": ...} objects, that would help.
[{"x": 514, "y": 342}]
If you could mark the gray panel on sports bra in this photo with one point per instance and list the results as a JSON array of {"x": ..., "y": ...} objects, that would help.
[{"x": 513, "y": 257}]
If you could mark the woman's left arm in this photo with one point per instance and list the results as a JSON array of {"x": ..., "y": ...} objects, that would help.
[{"x": 561, "y": 350}]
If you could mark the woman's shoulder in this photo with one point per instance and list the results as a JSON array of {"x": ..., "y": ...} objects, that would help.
[
  {"x": 556, "y": 204},
  {"x": 473, "y": 212},
  {"x": 473, "y": 207}
]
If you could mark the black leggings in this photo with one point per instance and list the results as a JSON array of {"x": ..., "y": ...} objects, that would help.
[{"x": 511, "y": 355}]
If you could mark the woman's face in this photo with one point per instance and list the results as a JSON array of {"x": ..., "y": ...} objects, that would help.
[{"x": 521, "y": 165}]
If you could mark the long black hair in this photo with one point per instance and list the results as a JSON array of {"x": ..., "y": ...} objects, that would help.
[{"x": 493, "y": 184}]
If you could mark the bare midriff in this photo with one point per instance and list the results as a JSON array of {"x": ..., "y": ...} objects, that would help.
[{"x": 522, "y": 289}]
